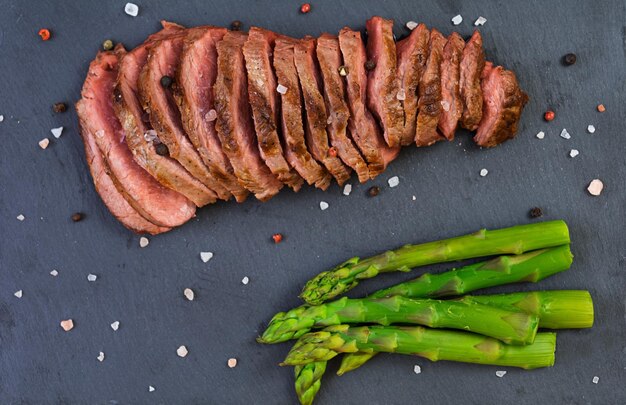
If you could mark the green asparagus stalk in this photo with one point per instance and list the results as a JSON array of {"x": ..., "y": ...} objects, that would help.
[
  {"x": 514, "y": 240},
  {"x": 309, "y": 380},
  {"x": 433, "y": 344},
  {"x": 532, "y": 266},
  {"x": 511, "y": 327}
]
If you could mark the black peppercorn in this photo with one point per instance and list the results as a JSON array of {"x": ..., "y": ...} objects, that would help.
[
  {"x": 59, "y": 107},
  {"x": 236, "y": 25},
  {"x": 166, "y": 81},
  {"x": 373, "y": 191},
  {"x": 162, "y": 150},
  {"x": 569, "y": 59},
  {"x": 535, "y": 212},
  {"x": 77, "y": 216},
  {"x": 370, "y": 65}
]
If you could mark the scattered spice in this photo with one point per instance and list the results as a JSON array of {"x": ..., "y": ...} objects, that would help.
[
  {"x": 206, "y": 256},
  {"x": 393, "y": 182},
  {"x": 305, "y": 8},
  {"x": 569, "y": 59},
  {"x": 548, "y": 116},
  {"x": 480, "y": 21},
  {"x": 18, "y": 293},
  {"x": 182, "y": 351},
  {"x": 402, "y": 96},
  {"x": 245, "y": 280},
  {"x": 347, "y": 189},
  {"x": 500, "y": 373},
  {"x": 565, "y": 134},
  {"x": 44, "y": 33},
  {"x": 573, "y": 153},
  {"x": 417, "y": 369},
  {"x": 59, "y": 107},
  {"x": 595, "y": 187},
  {"x": 591, "y": 129},
  {"x": 540, "y": 135},
  {"x": 343, "y": 71},
  {"x": 189, "y": 294},
  {"x": 601, "y": 108},
  {"x": 535, "y": 212},
  {"x": 373, "y": 191},
  {"x": 211, "y": 115},
  {"x": 143, "y": 242},
  {"x": 281, "y": 89},
  {"x": 56, "y": 132},
  {"x": 54, "y": 273},
  {"x": 332, "y": 151},
  {"x": 77, "y": 217},
  {"x": 457, "y": 19},
  {"x": 92, "y": 277},
  {"x": 1, "y": 117},
  {"x": 411, "y": 25},
  {"x": 100, "y": 357},
  {"x": 67, "y": 325},
  {"x": 323, "y": 205},
  {"x": 232, "y": 362},
  {"x": 21, "y": 217},
  {"x": 150, "y": 388},
  {"x": 131, "y": 9},
  {"x": 166, "y": 82},
  {"x": 236, "y": 25},
  {"x": 595, "y": 379},
  {"x": 107, "y": 45},
  {"x": 278, "y": 237},
  {"x": 370, "y": 65},
  {"x": 484, "y": 172},
  {"x": 162, "y": 150},
  {"x": 43, "y": 144},
  {"x": 115, "y": 325}
]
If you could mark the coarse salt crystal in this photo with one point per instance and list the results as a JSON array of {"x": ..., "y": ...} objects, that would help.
[
  {"x": 540, "y": 135},
  {"x": 591, "y": 129},
  {"x": 329, "y": 120},
  {"x": 445, "y": 105},
  {"x": 54, "y": 273},
  {"x": 347, "y": 189},
  {"x": 57, "y": 132},
  {"x": 182, "y": 351},
  {"x": 150, "y": 135},
  {"x": 100, "y": 133},
  {"x": 232, "y": 362},
  {"x": 18, "y": 294},
  {"x": 595, "y": 187},
  {"x": 131, "y": 9},
  {"x": 500, "y": 373},
  {"x": 100, "y": 357},
  {"x": 115, "y": 325},
  {"x": 92, "y": 277},
  {"x": 323, "y": 205},
  {"x": 206, "y": 256},
  {"x": 595, "y": 379},
  {"x": 43, "y": 144},
  {"x": 401, "y": 95},
  {"x": 67, "y": 325},
  {"x": 245, "y": 280},
  {"x": 393, "y": 181},
  {"x": 414, "y": 198},
  {"x": 573, "y": 153},
  {"x": 21, "y": 217},
  {"x": 211, "y": 115},
  {"x": 411, "y": 25},
  {"x": 484, "y": 172},
  {"x": 417, "y": 369},
  {"x": 143, "y": 242},
  {"x": 1, "y": 118},
  {"x": 565, "y": 134},
  {"x": 480, "y": 21},
  {"x": 281, "y": 89},
  {"x": 150, "y": 388},
  {"x": 457, "y": 19},
  {"x": 188, "y": 292}
]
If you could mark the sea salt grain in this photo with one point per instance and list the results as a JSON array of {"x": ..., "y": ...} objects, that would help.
[
  {"x": 540, "y": 135},
  {"x": 150, "y": 135},
  {"x": 457, "y": 19},
  {"x": 206, "y": 256},
  {"x": 21, "y": 217},
  {"x": 595, "y": 379},
  {"x": 393, "y": 182},
  {"x": 500, "y": 373},
  {"x": 347, "y": 189},
  {"x": 591, "y": 129},
  {"x": 445, "y": 105},
  {"x": 401, "y": 95},
  {"x": 323, "y": 205},
  {"x": 414, "y": 198},
  {"x": 150, "y": 388},
  {"x": 484, "y": 172},
  {"x": 115, "y": 325},
  {"x": 67, "y": 325},
  {"x": 411, "y": 25},
  {"x": 417, "y": 369},
  {"x": 188, "y": 293},
  {"x": 131, "y": 9},
  {"x": 573, "y": 153},
  {"x": 281, "y": 89},
  {"x": 1, "y": 118},
  {"x": 182, "y": 351},
  {"x": 595, "y": 187},
  {"x": 43, "y": 144},
  {"x": 232, "y": 362},
  {"x": 480, "y": 21},
  {"x": 143, "y": 242},
  {"x": 18, "y": 294},
  {"x": 100, "y": 357},
  {"x": 54, "y": 273},
  {"x": 565, "y": 134},
  {"x": 245, "y": 280},
  {"x": 57, "y": 132},
  {"x": 211, "y": 115},
  {"x": 92, "y": 277}
]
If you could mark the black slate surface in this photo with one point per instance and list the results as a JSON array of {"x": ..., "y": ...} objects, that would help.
[{"x": 142, "y": 288}]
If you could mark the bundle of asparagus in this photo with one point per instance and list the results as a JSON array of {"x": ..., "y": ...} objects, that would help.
[{"x": 491, "y": 329}]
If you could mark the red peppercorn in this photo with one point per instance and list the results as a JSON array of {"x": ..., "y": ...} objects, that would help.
[
  {"x": 332, "y": 151},
  {"x": 601, "y": 108},
  {"x": 44, "y": 34},
  {"x": 277, "y": 237},
  {"x": 305, "y": 8},
  {"x": 548, "y": 116}
]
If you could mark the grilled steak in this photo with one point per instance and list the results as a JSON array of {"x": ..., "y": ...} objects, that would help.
[
  {"x": 234, "y": 119},
  {"x": 193, "y": 92},
  {"x": 362, "y": 126},
  {"x": 316, "y": 118},
  {"x": 412, "y": 54},
  {"x": 472, "y": 65},
  {"x": 296, "y": 151},
  {"x": 502, "y": 106},
  {"x": 113, "y": 160},
  {"x": 429, "y": 104},
  {"x": 265, "y": 105},
  {"x": 329, "y": 59},
  {"x": 451, "y": 103},
  {"x": 384, "y": 93},
  {"x": 158, "y": 101}
]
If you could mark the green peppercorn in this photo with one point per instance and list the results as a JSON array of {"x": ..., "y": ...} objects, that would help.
[
  {"x": 107, "y": 45},
  {"x": 370, "y": 65},
  {"x": 166, "y": 81},
  {"x": 162, "y": 150}
]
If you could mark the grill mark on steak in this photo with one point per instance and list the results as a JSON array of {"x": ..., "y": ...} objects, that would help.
[
  {"x": 452, "y": 105},
  {"x": 472, "y": 65},
  {"x": 361, "y": 124},
  {"x": 502, "y": 106},
  {"x": 412, "y": 54},
  {"x": 157, "y": 204},
  {"x": 316, "y": 117},
  {"x": 193, "y": 91},
  {"x": 264, "y": 102},
  {"x": 291, "y": 117},
  {"x": 329, "y": 59},
  {"x": 382, "y": 83},
  {"x": 158, "y": 101},
  {"x": 429, "y": 103},
  {"x": 234, "y": 119}
]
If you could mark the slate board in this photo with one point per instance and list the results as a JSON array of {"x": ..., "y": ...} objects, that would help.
[{"x": 142, "y": 288}]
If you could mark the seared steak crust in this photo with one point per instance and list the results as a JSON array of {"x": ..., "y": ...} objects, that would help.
[
  {"x": 472, "y": 65},
  {"x": 452, "y": 105}
]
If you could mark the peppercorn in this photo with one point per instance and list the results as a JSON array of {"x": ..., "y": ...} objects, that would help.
[
  {"x": 77, "y": 216},
  {"x": 343, "y": 71},
  {"x": 236, "y": 25},
  {"x": 370, "y": 65},
  {"x": 535, "y": 212},
  {"x": 44, "y": 34},
  {"x": 548, "y": 116},
  {"x": 166, "y": 81},
  {"x": 107, "y": 45},
  {"x": 373, "y": 191},
  {"x": 59, "y": 107},
  {"x": 305, "y": 8},
  {"x": 162, "y": 150},
  {"x": 569, "y": 59},
  {"x": 277, "y": 237},
  {"x": 601, "y": 108},
  {"x": 332, "y": 151}
]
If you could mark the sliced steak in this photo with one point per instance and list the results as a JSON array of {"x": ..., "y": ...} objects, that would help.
[
  {"x": 429, "y": 104},
  {"x": 316, "y": 117},
  {"x": 412, "y": 53},
  {"x": 384, "y": 93},
  {"x": 264, "y": 101},
  {"x": 234, "y": 119},
  {"x": 296, "y": 151},
  {"x": 329, "y": 59},
  {"x": 451, "y": 103},
  {"x": 362, "y": 125},
  {"x": 158, "y": 101},
  {"x": 502, "y": 106},
  {"x": 193, "y": 92},
  {"x": 152, "y": 201},
  {"x": 472, "y": 65}
]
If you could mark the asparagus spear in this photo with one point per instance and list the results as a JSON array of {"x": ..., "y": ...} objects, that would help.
[
  {"x": 512, "y": 327},
  {"x": 309, "y": 380},
  {"x": 514, "y": 240},
  {"x": 433, "y": 344}
]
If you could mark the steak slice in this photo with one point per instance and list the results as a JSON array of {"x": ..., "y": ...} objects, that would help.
[
  {"x": 412, "y": 53},
  {"x": 384, "y": 93},
  {"x": 472, "y": 65},
  {"x": 451, "y": 103},
  {"x": 429, "y": 104},
  {"x": 152, "y": 201},
  {"x": 158, "y": 101},
  {"x": 193, "y": 92},
  {"x": 362, "y": 125},
  {"x": 264, "y": 101},
  {"x": 502, "y": 106},
  {"x": 316, "y": 118},
  {"x": 296, "y": 151},
  {"x": 234, "y": 119},
  {"x": 329, "y": 59}
]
